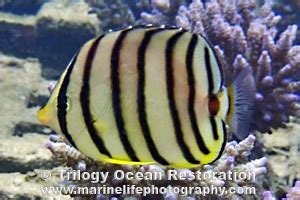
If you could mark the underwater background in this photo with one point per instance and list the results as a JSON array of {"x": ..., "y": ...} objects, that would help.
[{"x": 39, "y": 37}]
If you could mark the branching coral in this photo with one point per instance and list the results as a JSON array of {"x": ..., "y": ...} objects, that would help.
[
  {"x": 234, "y": 160},
  {"x": 245, "y": 37},
  {"x": 288, "y": 10},
  {"x": 293, "y": 193}
]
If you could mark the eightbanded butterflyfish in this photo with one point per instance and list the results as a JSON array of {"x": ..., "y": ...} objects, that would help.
[{"x": 148, "y": 95}]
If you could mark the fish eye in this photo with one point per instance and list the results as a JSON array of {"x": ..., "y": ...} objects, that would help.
[
  {"x": 63, "y": 105},
  {"x": 213, "y": 105}
]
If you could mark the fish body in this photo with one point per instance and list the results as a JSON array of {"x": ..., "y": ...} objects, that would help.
[{"x": 145, "y": 95}]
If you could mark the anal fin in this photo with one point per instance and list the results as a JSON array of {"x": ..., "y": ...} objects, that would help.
[{"x": 125, "y": 162}]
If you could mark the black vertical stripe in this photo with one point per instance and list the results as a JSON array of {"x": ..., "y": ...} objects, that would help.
[
  {"x": 62, "y": 103},
  {"x": 210, "y": 89},
  {"x": 220, "y": 67},
  {"x": 229, "y": 104},
  {"x": 116, "y": 95},
  {"x": 214, "y": 127},
  {"x": 172, "y": 105},
  {"x": 208, "y": 70},
  {"x": 141, "y": 101},
  {"x": 85, "y": 99},
  {"x": 223, "y": 143},
  {"x": 191, "y": 103},
  {"x": 225, "y": 136}
]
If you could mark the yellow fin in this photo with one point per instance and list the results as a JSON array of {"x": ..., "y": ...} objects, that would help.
[
  {"x": 125, "y": 162},
  {"x": 42, "y": 115}
]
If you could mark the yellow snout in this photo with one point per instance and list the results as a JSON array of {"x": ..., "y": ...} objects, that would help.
[{"x": 43, "y": 116}]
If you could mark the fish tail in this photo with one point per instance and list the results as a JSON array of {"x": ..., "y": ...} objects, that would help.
[{"x": 241, "y": 97}]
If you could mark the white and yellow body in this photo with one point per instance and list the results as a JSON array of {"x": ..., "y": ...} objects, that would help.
[{"x": 142, "y": 95}]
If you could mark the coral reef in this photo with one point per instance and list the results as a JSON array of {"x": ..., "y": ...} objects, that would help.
[
  {"x": 21, "y": 7},
  {"x": 122, "y": 13},
  {"x": 283, "y": 159},
  {"x": 293, "y": 193},
  {"x": 235, "y": 159},
  {"x": 243, "y": 34},
  {"x": 288, "y": 10},
  {"x": 246, "y": 36},
  {"x": 52, "y": 35},
  {"x": 159, "y": 12},
  {"x": 20, "y": 157},
  {"x": 112, "y": 15},
  {"x": 267, "y": 195}
]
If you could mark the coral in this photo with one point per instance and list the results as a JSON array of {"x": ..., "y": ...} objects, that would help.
[
  {"x": 112, "y": 15},
  {"x": 294, "y": 193},
  {"x": 235, "y": 159},
  {"x": 122, "y": 13},
  {"x": 267, "y": 195},
  {"x": 53, "y": 35},
  {"x": 283, "y": 156},
  {"x": 246, "y": 36},
  {"x": 288, "y": 10},
  {"x": 160, "y": 12}
]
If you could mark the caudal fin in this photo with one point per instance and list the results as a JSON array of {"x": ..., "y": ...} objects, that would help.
[{"x": 241, "y": 98}]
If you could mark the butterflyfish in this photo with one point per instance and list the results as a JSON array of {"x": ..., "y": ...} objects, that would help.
[{"x": 148, "y": 95}]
